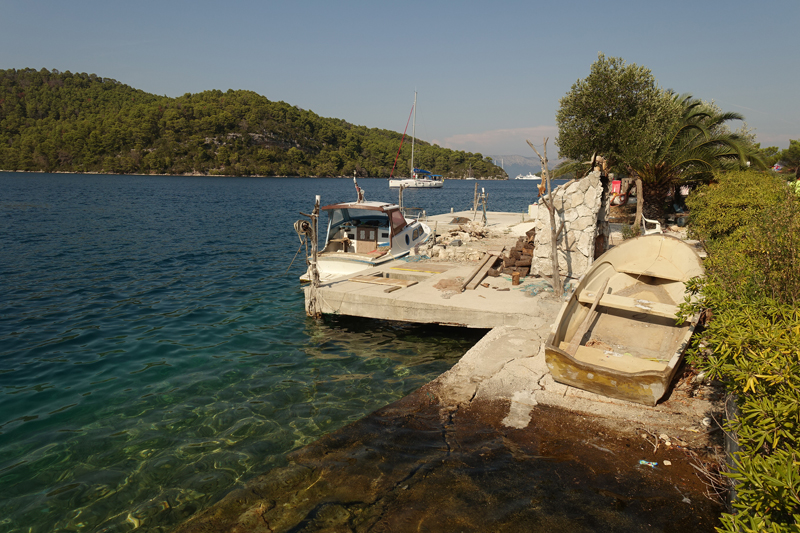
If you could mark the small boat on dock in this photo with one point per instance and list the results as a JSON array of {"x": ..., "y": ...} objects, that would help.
[
  {"x": 364, "y": 234},
  {"x": 617, "y": 334}
]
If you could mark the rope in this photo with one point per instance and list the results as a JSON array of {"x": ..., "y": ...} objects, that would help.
[
  {"x": 303, "y": 229},
  {"x": 304, "y": 233}
]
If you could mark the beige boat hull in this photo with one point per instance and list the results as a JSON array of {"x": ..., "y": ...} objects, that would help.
[{"x": 630, "y": 346}]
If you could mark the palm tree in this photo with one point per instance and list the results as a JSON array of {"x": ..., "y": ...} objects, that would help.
[{"x": 695, "y": 146}]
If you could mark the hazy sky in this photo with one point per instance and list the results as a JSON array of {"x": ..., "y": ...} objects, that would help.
[{"x": 488, "y": 74}]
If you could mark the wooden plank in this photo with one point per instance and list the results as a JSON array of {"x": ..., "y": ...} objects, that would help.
[
  {"x": 584, "y": 327},
  {"x": 473, "y": 284},
  {"x": 424, "y": 267},
  {"x": 378, "y": 280},
  {"x": 634, "y": 305},
  {"x": 474, "y": 272}
]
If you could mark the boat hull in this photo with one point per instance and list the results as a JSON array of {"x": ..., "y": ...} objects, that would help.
[
  {"x": 364, "y": 235},
  {"x": 415, "y": 183},
  {"x": 627, "y": 345},
  {"x": 644, "y": 387},
  {"x": 334, "y": 266}
]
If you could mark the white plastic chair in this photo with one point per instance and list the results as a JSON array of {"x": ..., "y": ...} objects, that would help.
[{"x": 656, "y": 226}]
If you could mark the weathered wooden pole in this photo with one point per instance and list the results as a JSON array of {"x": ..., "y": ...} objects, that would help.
[
  {"x": 313, "y": 308},
  {"x": 558, "y": 288}
]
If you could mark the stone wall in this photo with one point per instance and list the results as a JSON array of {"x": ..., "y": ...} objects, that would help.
[{"x": 583, "y": 207}]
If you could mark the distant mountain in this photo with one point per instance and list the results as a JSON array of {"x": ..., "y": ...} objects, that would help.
[{"x": 514, "y": 165}]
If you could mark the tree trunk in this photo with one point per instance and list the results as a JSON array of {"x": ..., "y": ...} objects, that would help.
[
  {"x": 558, "y": 287},
  {"x": 639, "y": 203},
  {"x": 655, "y": 201}
]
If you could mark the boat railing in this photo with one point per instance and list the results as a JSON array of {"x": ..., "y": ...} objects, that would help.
[{"x": 416, "y": 213}]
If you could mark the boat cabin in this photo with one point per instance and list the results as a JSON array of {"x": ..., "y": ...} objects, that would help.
[
  {"x": 363, "y": 228},
  {"x": 421, "y": 174}
]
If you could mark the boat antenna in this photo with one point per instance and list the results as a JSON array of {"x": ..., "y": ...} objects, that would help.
[{"x": 413, "y": 134}]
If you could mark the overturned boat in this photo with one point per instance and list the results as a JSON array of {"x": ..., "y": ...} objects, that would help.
[{"x": 617, "y": 334}]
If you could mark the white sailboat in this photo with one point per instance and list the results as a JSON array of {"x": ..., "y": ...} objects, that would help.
[{"x": 420, "y": 179}]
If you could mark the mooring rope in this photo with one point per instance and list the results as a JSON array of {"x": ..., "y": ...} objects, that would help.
[{"x": 304, "y": 232}]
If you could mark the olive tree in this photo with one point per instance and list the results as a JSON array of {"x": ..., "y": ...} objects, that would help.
[{"x": 616, "y": 106}]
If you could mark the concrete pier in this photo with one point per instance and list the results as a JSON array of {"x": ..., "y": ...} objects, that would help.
[
  {"x": 436, "y": 297},
  {"x": 432, "y": 292},
  {"x": 508, "y": 363}
]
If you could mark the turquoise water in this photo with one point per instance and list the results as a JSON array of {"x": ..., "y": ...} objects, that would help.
[{"x": 154, "y": 351}]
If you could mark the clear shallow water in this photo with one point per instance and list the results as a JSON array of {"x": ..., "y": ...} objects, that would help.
[{"x": 154, "y": 352}]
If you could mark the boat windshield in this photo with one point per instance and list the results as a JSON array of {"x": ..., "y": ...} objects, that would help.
[{"x": 358, "y": 217}]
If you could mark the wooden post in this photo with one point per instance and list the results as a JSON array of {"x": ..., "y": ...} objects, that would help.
[
  {"x": 313, "y": 308},
  {"x": 484, "y": 199},
  {"x": 558, "y": 287}
]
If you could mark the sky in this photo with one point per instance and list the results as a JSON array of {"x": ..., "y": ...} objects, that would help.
[{"x": 488, "y": 75}]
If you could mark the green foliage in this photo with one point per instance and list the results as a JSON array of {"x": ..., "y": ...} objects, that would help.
[
  {"x": 629, "y": 232},
  {"x": 57, "y": 121},
  {"x": 769, "y": 155},
  {"x": 730, "y": 203},
  {"x": 791, "y": 156},
  {"x": 752, "y": 342},
  {"x": 617, "y": 104},
  {"x": 692, "y": 149},
  {"x": 753, "y": 347},
  {"x": 750, "y": 224},
  {"x": 771, "y": 486}
]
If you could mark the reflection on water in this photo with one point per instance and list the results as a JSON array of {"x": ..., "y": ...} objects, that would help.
[
  {"x": 153, "y": 456},
  {"x": 153, "y": 354}
]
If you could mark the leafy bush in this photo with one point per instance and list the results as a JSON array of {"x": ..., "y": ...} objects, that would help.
[
  {"x": 727, "y": 206},
  {"x": 750, "y": 223},
  {"x": 629, "y": 232}
]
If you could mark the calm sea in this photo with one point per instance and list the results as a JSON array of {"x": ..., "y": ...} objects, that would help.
[{"x": 154, "y": 351}]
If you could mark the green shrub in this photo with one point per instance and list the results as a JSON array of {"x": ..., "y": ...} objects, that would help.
[
  {"x": 726, "y": 206},
  {"x": 750, "y": 224},
  {"x": 629, "y": 232}
]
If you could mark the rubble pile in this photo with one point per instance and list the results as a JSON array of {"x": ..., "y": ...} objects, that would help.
[
  {"x": 453, "y": 245},
  {"x": 518, "y": 258}
]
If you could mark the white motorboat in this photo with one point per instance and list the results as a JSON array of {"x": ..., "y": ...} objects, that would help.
[
  {"x": 528, "y": 176},
  {"x": 420, "y": 179},
  {"x": 365, "y": 234}
]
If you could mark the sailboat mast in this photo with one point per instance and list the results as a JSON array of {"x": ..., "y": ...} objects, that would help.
[{"x": 413, "y": 133}]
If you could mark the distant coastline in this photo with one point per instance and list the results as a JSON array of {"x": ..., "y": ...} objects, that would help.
[{"x": 202, "y": 175}]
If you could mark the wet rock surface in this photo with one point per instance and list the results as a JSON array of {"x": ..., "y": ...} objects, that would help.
[{"x": 419, "y": 465}]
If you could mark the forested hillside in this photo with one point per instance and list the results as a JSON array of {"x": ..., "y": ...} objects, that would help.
[{"x": 59, "y": 121}]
